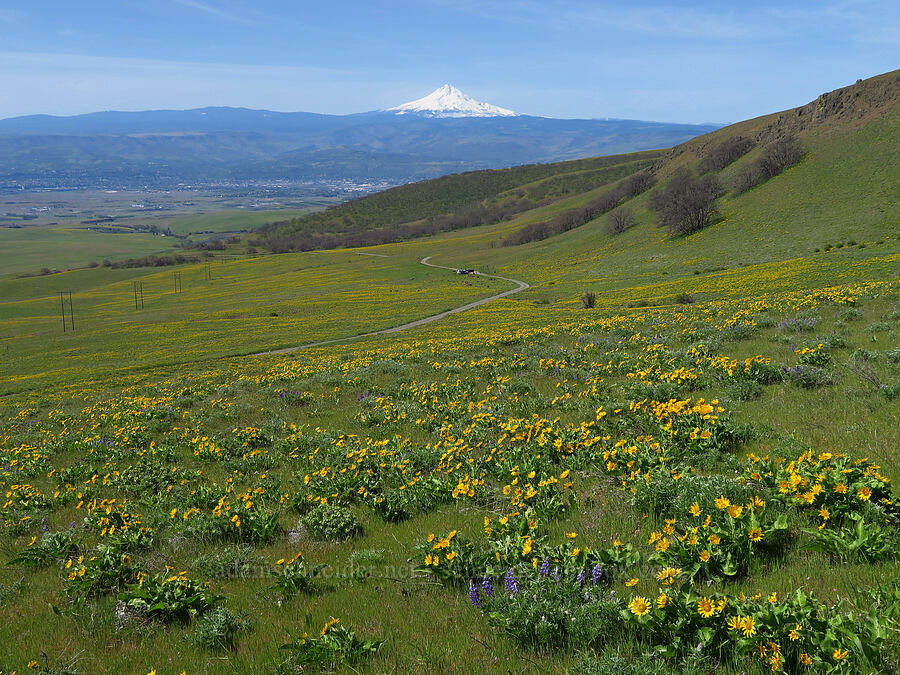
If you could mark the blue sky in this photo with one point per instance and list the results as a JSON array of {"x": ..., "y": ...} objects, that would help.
[{"x": 669, "y": 61}]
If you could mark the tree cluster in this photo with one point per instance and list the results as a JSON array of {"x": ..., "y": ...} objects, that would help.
[
  {"x": 469, "y": 216},
  {"x": 723, "y": 154},
  {"x": 157, "y": 261},
  {"x": 568, "y": 220},
  {"x": 687, "y": 203},
  {"x": 774, "y": 158}
]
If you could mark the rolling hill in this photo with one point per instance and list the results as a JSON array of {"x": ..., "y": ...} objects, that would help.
[{"x": 845, "y": 188}]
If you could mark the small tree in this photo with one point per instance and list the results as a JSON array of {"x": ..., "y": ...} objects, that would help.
[
  {"x": 588, "y": 300},
  {"x": 619, "y": 220}
]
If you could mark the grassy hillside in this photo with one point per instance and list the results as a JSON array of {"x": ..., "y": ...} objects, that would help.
[
  {"x": 696, "y": 475},
  {"x": 480, "y": 196},
  {"x": 843, "y": 194}
]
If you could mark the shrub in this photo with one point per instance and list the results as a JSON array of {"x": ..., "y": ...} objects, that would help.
[
  {"x": 551, "y": 610},
  {"x": 330, "y": 522},
  {"x": 890, "y": 391},
  {"x": 218, "y": 628},
  {"x": 616, "y": 663},
  {"x": 231, "y": 562},
  {"x": 295, "y": 576},
  {"x": 849, "y": 314},
  {"x": 745, "y": 390},
  {"x": 666, "y": 495},
  {"x": 878, "y": 327},
  {"x": 807, "y": 376},
  {"x": 803, "y": 324},
  {"x": 589, "y": 300},
  {"x": 362, "y": 562}
]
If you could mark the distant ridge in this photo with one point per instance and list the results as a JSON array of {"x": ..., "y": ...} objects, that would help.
[
  {"x": 448, "y": 101},
  {"x": 442, "y": 133}
]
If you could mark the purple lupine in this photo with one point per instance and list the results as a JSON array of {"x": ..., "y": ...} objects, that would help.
[
  {"x": 510, "y": 583},
  {"x": 556, "y": 574},
  {"x": 596, "y": 574},
  {"x": 545, "y": 567},
  {"x": 474, "y": 595},
  {"x": 582, "y": 577},
  {"x": 487, "y": 586}
]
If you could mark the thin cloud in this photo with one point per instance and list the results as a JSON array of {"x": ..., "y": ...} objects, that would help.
[
  {"x": 646, "y": 19},
  {"x": 217, "y": 12},
  {"x": 11, "y": 16},
  {"x": 863, "y": 22}
]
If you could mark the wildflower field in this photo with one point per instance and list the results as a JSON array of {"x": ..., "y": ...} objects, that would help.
[
  {"x": 668, "y": 453},
  {"x": 521, "y": 487}
]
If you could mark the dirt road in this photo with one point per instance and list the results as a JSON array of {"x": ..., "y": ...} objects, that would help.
[{"x": 520, "y": 286}]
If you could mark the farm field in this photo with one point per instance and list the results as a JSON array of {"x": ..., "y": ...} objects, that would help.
[
  {"x": 25, "y": 249},
  {"x": 62, "y": 230},
  {"x": 670, "y": 453}
]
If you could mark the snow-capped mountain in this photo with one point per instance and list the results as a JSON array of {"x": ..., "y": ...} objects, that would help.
[
  {"x": 448, "y": 101},
  {"x": 445, "y": 132}
]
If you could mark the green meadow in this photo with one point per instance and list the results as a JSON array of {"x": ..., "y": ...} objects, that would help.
[{"x": 28, "y": 250}]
